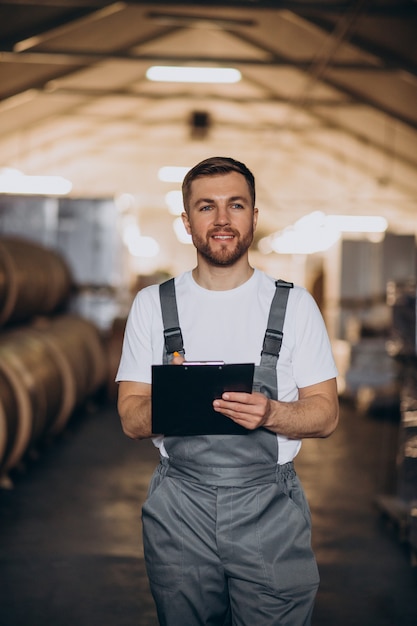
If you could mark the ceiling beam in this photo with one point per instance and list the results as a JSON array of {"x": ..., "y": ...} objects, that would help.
[
  {"x": 391, "y": 59},
  {"x": 64, "y": 4},
  {"x": 130, "y": 93},
  {"x": 71, "y": 57},
  {"x": 398, "y": 8},
  {"x": 87, "y": 59},
  {"x": 52, "y": 22},
  {"x": 317, "y": 68}
]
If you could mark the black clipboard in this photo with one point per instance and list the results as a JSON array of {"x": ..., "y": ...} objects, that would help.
[{"x": 182, "y": 397}]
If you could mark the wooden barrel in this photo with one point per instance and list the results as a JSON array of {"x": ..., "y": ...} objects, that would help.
[
  {"x": 46, "y": 370},
  {"x": 34, "y": 280},
  {"x": 17, "y": 417},
  {"x": 80, "y": 341},
  {"x": 8, "y": 411},
  {"x": 4, "y": 438},
  {"x": 28, "y": 356},
  {"x": 68, "y": 388}
]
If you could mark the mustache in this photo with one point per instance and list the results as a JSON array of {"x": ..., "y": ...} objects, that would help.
[{"x": 223, "y": 230}]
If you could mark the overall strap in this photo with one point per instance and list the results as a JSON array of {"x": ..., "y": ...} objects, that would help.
[
  {"x": 273, "y": 335},
  {"x": 172, "y": 330},
  {"x": 265, "y": 377}
]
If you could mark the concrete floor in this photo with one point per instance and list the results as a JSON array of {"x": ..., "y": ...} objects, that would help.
[{"x": 70, "y": 551}]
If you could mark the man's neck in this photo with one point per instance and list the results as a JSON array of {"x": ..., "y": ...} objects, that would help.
[{"x": 218, "y": 278}]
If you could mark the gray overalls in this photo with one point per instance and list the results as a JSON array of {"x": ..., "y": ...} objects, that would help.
[{"x": 227, "y": 530}]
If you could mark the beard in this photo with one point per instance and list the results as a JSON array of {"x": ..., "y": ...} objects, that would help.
[{"x": 224, "y": 256}]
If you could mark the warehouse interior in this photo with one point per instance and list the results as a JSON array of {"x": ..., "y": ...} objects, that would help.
[{"x": 322, "y": 107}]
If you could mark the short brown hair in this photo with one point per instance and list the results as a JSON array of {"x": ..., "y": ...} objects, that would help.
[{"x": 215, "y": 166}]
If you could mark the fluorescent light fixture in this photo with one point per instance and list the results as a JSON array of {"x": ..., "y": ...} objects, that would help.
[
  {"x": 316, "y": 219},
  {"x": 172, "y": 174},
  {"x": 125, "y": 202},
  {"x": 174, "y": 202},
  {"x": 357, "y": 223},
  {"x": 181, "y": 233},
  {"x": 184, "y": 74},
  {"x": 14, "y": 181},
  {"x": 292, "y": 241},
  {"x": 317, "y": 232},
  {"x": 146, "y": 247},
  {"x": 138, "y": 245}
]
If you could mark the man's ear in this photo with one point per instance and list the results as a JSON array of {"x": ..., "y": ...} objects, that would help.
[
  {"x": 186, "y": 222},
  {"x": 255, "y": 217}
]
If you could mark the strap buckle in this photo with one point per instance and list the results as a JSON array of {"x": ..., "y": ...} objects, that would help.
[
  {"x": 272, "y": 341},
  {"x": 284, "y": 283},
  {"x": 173, "y": 340}
]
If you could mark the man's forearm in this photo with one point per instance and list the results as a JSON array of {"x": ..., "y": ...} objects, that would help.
[
  {"x": 135, "y": 416},
  {"x": 315, "y": 416}
]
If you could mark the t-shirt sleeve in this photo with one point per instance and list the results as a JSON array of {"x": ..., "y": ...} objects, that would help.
[
  {"x": 313, "y": 360},
  {"x": 137, "y": 351}
]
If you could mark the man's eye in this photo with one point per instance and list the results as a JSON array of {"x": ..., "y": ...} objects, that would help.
[
  {"x": 237, "y": 205},
  {"x": 206, "y": 207}
]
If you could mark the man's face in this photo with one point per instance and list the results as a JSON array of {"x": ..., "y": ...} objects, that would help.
[{"x": 221, "y": 219}]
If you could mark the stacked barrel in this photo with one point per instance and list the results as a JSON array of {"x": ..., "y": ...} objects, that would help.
[{"x": 50, "y": 361}]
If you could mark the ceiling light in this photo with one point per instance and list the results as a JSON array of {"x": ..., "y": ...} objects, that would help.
[
  {"x": 357, "y": 223},
  {"x": 183, "y": 74},
  {"x": 316, "y": 219},
  {"x": 317, "y": 232},
  {"x": 147, "y": 247},
  {"x": 15, "y": 182},
  {"x": 174, "y": 202},
  {"x": 292, "y": 241},
  {"x": 137, "y": 244},
  {"x": 181, "y": 233},
  {"x": 172, "y": 174}
]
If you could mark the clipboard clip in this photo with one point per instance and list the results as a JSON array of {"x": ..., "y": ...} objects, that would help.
[{"x": 185, "y": 363}]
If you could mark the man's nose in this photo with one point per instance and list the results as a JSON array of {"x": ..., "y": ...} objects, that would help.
[{"x": 222, "y": 216}]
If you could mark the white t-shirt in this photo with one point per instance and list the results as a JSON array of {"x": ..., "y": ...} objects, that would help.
[{"x": 230, "y": 326}]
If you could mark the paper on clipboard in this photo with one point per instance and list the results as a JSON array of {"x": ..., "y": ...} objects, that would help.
[{"x": 182, "y": 397}]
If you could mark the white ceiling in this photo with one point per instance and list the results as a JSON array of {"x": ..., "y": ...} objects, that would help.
[{"x": 325, "y": 116}]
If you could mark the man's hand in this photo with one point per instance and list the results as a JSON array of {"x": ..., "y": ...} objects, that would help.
[
  {"x": 314, "y": 414},
  {"x": 250, "y": 410},
  {"x": 177, "y": 359}
]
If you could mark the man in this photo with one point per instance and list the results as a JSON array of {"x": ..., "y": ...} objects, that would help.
[{"x": 226, "y": 525}]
